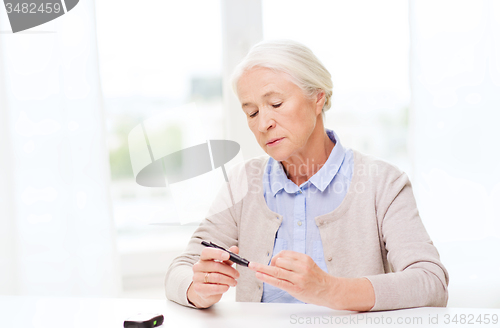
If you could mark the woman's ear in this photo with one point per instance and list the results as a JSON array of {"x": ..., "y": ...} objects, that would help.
[{"x": 320, "y": 101}]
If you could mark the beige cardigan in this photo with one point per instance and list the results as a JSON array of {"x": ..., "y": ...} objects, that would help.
[{"x": 376, "y": 233}]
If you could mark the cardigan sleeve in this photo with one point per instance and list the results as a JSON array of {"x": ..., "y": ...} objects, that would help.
[
  {"x": 418, "y": 278},
  {"x": 220, "y": 228}
]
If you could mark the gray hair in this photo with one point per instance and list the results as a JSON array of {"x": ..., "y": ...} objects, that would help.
[{"x": 292, "y": 58}]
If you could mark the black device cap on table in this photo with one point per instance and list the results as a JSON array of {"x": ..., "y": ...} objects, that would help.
[
  {"x": 146, "y": 320},
  {"x": 232, "y": 257}
]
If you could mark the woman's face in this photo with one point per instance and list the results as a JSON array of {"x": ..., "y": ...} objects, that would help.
[{"x": 280, "y": 116}]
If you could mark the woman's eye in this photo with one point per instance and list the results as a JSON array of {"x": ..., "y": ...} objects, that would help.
[
  {"x": 277, "y": 105},
  {"x": 254, "y": 114}
]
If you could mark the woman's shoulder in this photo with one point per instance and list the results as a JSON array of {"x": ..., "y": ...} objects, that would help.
[
  {"x": 371, "y": 166},
  {"x": 258, "y": 162},
  {"x": 251, "y": 167},
  {"x": 247, "y": 174},
  {"x": 385, "y": 180}
]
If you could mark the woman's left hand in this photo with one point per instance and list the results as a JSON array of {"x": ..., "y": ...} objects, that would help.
[{"x": 300, "y": 276}]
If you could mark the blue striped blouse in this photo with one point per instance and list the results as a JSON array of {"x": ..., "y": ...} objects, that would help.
[{"x": 299, "y": 206}]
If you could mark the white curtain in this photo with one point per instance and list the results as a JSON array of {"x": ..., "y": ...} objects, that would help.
[
  {"x": 56, "y": 228},
  {"x": 455, "y": 81}
]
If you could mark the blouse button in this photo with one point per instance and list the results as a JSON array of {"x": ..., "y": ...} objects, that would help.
[
  {"x": 330, "y": 258},
  {"x": 299, "y": 223}
]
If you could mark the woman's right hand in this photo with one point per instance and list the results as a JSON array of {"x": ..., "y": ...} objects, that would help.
[{"x": 213, "y": 274}]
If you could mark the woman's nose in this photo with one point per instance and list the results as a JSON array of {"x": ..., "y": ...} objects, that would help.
[{"x": 266, "y": 122}]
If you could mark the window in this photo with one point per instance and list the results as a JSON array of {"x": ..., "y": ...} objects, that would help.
[
  {"x": 155, "y": 56},
  {"x": 365, "y": 46}
]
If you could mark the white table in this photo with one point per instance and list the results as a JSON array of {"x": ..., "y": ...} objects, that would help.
[{"x": 40, "y": 312}]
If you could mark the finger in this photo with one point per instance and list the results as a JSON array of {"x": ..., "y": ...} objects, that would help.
[
  {"x": 289, "y": 254},
  {"x": 214, "y": 278},
  {"x": 255, "y": 266},
  {"x": 289, "y": 264},
  {"x": 235, "y": 250},
  {"x": 273, "y": 271},
  {"x": 213, "y": 266},
  {"x": 207, "y": 290},
  {"x": 280, "y": 283},
  {"x": 210, "y": 253}
]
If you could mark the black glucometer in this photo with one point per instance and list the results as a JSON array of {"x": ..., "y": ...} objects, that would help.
[
  {"x": 144, "y": 320},
  {"x": 232, "y": 257}
]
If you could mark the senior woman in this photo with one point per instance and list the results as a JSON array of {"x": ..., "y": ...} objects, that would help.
[{"x": 321, "y": 223}]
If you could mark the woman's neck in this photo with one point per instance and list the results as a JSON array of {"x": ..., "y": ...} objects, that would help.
[{"x": 300, "y": 167}]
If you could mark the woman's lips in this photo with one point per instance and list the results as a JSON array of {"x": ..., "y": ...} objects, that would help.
[{"x": 274, "y": 142}]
